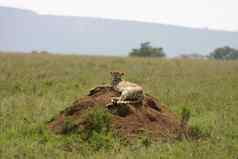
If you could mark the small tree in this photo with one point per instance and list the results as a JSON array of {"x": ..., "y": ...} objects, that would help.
[
  {"x": 146, "y": 50},
  {"x": 224, "y": 53}
]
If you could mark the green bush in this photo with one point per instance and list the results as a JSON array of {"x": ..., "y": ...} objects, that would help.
[
  {"x": 196, "y": 132},
  {"x": 97, "y": 120},
  {"x": 185, "y": 115},
  {"x": 224, "y": 53},
  {"x": 69, "y": 125},
  {"x": 97, "y": 131},
  {"x": 146, "y": 50}
]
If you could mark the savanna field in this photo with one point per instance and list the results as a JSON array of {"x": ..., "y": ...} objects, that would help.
[{"x": 35, "y": 87}]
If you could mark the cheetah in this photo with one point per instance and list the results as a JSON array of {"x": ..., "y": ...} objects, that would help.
[{"x": 131, "y": 93}]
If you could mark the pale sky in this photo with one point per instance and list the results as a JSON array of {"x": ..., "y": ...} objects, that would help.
[{"x": 212, "y": 14}]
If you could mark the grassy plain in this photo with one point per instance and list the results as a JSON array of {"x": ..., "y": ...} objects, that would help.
[{"x": 35, "y": 87}]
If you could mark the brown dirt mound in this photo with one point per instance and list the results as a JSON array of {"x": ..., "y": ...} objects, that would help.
[{"x": 128, "y": 120}]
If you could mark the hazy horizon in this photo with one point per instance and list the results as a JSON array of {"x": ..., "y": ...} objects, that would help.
[
  {"x": 205, "y": 14},
  {"x": 26, "y": 30}
]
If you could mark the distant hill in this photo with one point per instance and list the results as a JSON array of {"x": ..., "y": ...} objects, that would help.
[{"x": 24, "y": 30}]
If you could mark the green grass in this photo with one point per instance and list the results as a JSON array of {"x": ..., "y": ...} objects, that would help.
[{"x": 33, "y": 88}]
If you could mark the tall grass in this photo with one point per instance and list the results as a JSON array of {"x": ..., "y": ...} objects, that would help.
[{"x": 33, "y": 88}]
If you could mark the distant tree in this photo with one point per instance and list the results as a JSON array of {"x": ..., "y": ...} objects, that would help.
[
  {"x": 224, "y": 53},
  {"x": 146, "y": 50},
  {"x": 44, "y": 52},
  {"x": 34, "y": 52}
]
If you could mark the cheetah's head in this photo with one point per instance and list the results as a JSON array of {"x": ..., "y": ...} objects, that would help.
[{"x": 116, "y": 77}]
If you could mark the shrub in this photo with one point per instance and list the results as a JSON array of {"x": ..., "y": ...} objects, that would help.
[
  {"x": 97, "y": 131},
  {"x": 69, "y": 125},
  {"x": 224, "y": 53},
  {"x": 97, "y": 120},
  {"x": 146, "y": 50},
  {"x": 185, "y": 114},
  {"x": 196, "y": 132}
]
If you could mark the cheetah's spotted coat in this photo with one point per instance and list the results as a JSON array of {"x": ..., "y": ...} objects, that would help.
[{"x": 130, "y": 92}]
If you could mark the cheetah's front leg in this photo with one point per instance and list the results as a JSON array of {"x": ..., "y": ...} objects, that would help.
[
  {"x": 122, "y": 98},
  {"x": 119, "y": 100},
  {"x": 114, "y": 100}
]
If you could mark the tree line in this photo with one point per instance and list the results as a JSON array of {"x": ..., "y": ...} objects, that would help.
[{"x": 147, "y": 50}]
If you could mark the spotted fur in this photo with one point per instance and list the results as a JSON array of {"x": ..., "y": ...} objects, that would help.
[{"x": 130, "y": 92}]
